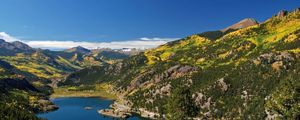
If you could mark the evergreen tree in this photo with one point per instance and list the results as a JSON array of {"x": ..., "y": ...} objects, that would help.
[{"x": 180, "y": 105}]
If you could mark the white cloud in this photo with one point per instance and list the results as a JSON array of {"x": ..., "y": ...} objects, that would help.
[
  {"x": 157, "y": 39},
  {"x": 7, "y": 37},
  {"x": 141, "y": 43}
]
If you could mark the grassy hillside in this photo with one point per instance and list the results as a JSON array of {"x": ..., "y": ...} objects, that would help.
[
  {"x": 28, "y": 75},
  {"x": 41, "y": 66},
  {"x": 251, "y": 73}
]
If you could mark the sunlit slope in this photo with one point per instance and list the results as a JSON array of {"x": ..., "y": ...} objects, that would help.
[{"x": 251, "y": 73}]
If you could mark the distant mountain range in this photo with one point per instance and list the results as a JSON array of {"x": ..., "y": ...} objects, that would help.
[
  {"x": 248, "y": 70},
  {"x": 7, "y": 48},
  {"x": 55, "y": 65}
]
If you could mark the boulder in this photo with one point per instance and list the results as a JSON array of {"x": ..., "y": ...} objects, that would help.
[{"x": 223, "y": 85}]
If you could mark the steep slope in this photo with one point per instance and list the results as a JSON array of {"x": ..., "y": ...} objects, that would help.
[
  {"x": 250, "y": 73},
  {"x": 20, "y": 95},
  {"x": 10, "y": 49},
  {"x": 22, "y": 46},
  {"x": 242, "y": 24},
  {"x": 214, "y": 35}
]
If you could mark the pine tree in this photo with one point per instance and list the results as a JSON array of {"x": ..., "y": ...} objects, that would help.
[{"x": 180, "y": 105}]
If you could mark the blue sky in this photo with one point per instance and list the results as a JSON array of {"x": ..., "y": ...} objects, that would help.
[{"x": 99, "y": 21}]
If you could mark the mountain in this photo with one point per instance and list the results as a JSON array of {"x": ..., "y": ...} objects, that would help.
[
  {"x": 7, "y": 48},
  {"x": 214, "y": 35},
  {"x": 242, "y": 24},
  {"x": 78, "y": 49},
  {"x": 108, "y": 53},
  {"x": 249, "y": 73},
  {"x": 28, "y": 76},
  {"x": 53, "y": 65},
  {"x": 22, "y": 46}
]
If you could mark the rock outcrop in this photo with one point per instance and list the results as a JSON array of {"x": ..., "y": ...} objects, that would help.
[
  {"x": 45, "y": 105},
  {"x": 282, "y": 13},
  {"x": 221, "y": 83},
  {"x": 278, "y": 61},
  {"x": 174, "y": 72}
]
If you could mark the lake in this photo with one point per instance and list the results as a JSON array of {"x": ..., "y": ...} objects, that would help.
[{"x": 72, "y": 108}]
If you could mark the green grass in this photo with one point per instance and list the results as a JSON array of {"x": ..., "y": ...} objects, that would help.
[{"x": 99, "y": 90}]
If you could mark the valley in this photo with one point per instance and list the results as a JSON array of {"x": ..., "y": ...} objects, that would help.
[
  {"x": 29, "y": 77},
  {"x": 249, "y": 70},
  {"x": 245, "y": 73}
]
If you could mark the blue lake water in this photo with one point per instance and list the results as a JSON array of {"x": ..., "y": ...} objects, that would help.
[{"x": 73, "y": 109}]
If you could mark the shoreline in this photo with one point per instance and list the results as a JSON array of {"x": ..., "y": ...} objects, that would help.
[
  {"x": 64, "y": 92},
  {"x": 104, "y": 98},
  {"x": 117, "y": 109},
  {"x": 120, "y": 110},
  {"x": 79, "y": 96}
]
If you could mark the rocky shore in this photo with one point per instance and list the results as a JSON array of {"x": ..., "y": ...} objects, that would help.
[
  {"x": 121, "y": 110},
  {"x": 115, "y": 114},
  {"x": 44, "y": 105},
  {"x": 117, "y": 110}
]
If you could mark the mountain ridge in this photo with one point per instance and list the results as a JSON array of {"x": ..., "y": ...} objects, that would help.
[
  {"x": 214, "y": 35},
  {"x": 78, "y": 49},
  {"x": 247, "y": 22},
  {"x": 249, "y": 73}
]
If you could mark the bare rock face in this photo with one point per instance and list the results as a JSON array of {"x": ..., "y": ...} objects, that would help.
[
  {"x": 278, "y": 61},
  {"x": 282, "y": 13},
  {"x": 242, "y": 24}
]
